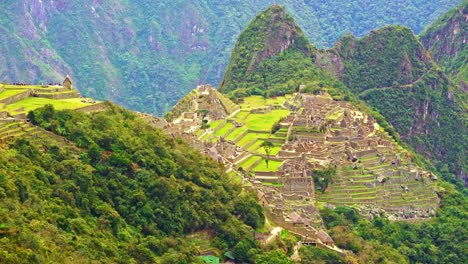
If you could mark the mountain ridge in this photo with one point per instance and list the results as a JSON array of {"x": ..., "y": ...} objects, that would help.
[
  {"x": 148, "y": 60},
  {"x": 269, "y": 34}
]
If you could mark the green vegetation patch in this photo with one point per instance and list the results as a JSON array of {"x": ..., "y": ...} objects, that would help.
[
  {"x": 9, "y": 93},
  {"x": 224, "y": 129},
  {"x": 32, "y": 103},
  {"x": 264, "y": 122},
  {"x": 273, "y": 151},
  {"x": 246, "y": 164},
  {"x": 257, "y": 101},
  {"x": 236, "y": 133},
  {"x": 241, "y": 115},
  {"x": 273, "y": 166},
  {"x": 214, "y": 124}
]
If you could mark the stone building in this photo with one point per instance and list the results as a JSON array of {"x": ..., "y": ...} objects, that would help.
[{"x": 67, "y": 83}]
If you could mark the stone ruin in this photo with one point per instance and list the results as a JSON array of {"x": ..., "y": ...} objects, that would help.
[{"x": 323, "y": 133}]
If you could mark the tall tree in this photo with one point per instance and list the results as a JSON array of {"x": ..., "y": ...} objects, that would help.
[{"x": 267, "y": 146}]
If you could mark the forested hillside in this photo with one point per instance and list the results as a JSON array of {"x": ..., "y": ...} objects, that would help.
[
  {"x": 119, "y": 192},
  {"x": 146, "y": 55}
]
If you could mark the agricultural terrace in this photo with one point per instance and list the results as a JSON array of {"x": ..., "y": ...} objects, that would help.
[
  {"x": 32, "y": 103},
  {"x": 252, "y": 126}
]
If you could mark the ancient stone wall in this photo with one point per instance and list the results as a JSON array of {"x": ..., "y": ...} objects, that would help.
[
  {"x": 58, "y": 96},
  {"x": 17, "y": 97},
  {"x": 93, "y": 108}
]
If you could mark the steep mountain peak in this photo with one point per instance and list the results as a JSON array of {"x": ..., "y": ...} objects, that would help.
[
  {"x": 269, "y": 34},
  {"x": 385, "y": 57},
  {"x": 446, "y": 40}
]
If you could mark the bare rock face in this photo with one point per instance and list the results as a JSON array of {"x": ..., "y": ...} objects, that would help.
[{"x": 282, "y": 34}]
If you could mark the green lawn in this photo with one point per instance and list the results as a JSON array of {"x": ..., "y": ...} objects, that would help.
[
  {"x": 32, "y": 103},
  {"x": 273, "y": 151},
  {"x": 206, "y": 136},
  {"x": 249, "y": 162},
  {"x": 273, "y": 165},
  {"x": 264, "y": 122},
  {"x": 24, "y": 87},
  {"x": 256, "y": 101},
  {"x": 9, "y": 92},
  {"x": 224, "y": 129},
  {"x": 236, "y": 133},
  {"x": 199, "y": 132},
  {"x": 255, "y": 146},
  {"x": 216, "y": 123},
  {"x": 334, "y": 115},
  {"x": 250, "y": 137},
  {"x": 246, "y": 139},
  {"x": 241, "y": 115}
]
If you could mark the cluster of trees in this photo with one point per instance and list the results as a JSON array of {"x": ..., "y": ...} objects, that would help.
[
  {"x": 123, "y": 192},
  {"x": 435, "y": 124},
  {"x": 445, "y": 40}
]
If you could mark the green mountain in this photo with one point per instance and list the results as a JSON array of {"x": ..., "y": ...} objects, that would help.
[
  {"x": 270, "y": 41},
  {"x": 146, "y": 55},
  {"x": 391, "y": 70},
  {"x": 446, "y": 40}
]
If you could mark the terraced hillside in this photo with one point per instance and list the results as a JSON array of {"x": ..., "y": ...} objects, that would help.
[
  {"x": 303, "y": 151},
  {"x": 16, "y": 100}
]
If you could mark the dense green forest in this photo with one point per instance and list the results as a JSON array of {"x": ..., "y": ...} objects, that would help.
[
  {"x": 119, "y": 192},
  {"x": 146, "y": 55}
]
